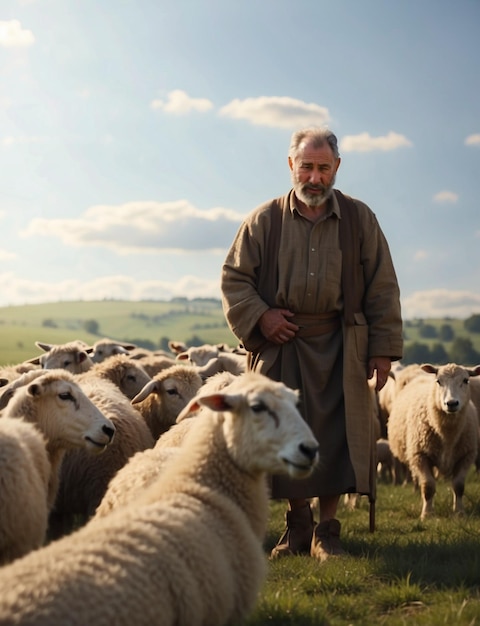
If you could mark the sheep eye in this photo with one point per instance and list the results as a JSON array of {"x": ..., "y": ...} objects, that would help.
[
  {"x": 259, "y": 407},
  {"x": 66, "y": 363},
  {"x": 172, "y": 392},
  {"x": 465, "y": 381},
  {"x": 66, "y": 395},
  {"x": 131, "y": 377}
]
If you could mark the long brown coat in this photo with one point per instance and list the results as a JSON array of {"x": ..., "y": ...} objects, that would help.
[{"x": 376, "y": 329}]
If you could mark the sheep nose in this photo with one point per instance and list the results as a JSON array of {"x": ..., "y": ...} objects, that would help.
[
  {"x": 452, "y": 405},
  {"x": 109, "y": 431},
  {"x": 309, "y": 451}
]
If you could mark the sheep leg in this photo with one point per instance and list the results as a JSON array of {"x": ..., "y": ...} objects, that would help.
[
  {"x": 423, "y": 475},
  {"x": 458, "y": 486}
]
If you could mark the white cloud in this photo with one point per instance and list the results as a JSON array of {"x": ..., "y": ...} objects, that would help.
[
  {"x": 5, "y": 255},
  {"x": 473, "y": 140},
  {"x": 277, "y": 112},
  {"x": 151, "y": 227},
  {"x": 11, "y": 141},
  {"x": 438, "y": 303},
  {"x": 12, "y": 35},
  {"x": 365, "y": 143},
  {"x": 420, "y": 255},
  {"x": 180, "y": 103},
  {"x": 445, "y": 197},
  {"x": 14, "y": 290}
]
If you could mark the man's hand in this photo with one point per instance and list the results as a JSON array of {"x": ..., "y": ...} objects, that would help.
[
  {"x": 275, "y": 326},
  {"x": 382, "y": 365}
]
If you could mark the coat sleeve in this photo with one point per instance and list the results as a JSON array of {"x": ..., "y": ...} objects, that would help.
[
  {"x": 381, "y": 301},
  {"x": 241, "y": 301}
]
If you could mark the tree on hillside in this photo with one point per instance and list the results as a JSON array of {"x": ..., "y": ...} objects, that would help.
[
  {"x": 463, "y": 352},
  {"x": 472, "y": 323},
  {"x": 438, "y": 354},
  {"x": 446, "y": 332},
  {"x": 416, "y": 353},
  {"x": 427, "y": 331},
  {"x": 91, "y": 326}
]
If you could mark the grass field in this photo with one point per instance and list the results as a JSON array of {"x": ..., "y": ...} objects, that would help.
[{"x": 406, "y": 572}]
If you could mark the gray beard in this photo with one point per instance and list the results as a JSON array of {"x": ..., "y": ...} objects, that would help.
[{"x": 310, "y": 199}]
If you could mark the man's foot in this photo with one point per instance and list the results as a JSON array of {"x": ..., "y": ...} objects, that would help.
[
  {"x": 297, "y": 537},
  {"x": 326, "y": 540}
]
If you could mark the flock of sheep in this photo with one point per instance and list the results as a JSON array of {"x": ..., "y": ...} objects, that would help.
[
  {"x": 164, "y": 470},
  {"x": 133, "y": 484}
]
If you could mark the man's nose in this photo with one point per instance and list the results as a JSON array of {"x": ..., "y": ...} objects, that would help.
[{"x": 315, "y": 177}]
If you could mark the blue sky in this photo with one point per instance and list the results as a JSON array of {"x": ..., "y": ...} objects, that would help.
[{"x": 136, "y": 134}]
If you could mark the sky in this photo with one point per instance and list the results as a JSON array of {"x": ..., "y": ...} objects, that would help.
[{"x": 135, "y": 135}]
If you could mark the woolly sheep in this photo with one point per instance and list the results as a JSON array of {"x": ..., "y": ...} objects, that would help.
[
  {"x": 25, "y": 471},
  {"x": 224, "y": 361},
  {"x": 144, "y": 467},
  {"x": 154, "y": 363},
  {"x": 66, "y": 418},
  {"x": 433, "y": 425},
  {"x": 72, "y": 356},
  {"x": 83, "y": 478},
  {"x": 105, "y": 348},
  {"x": 129, "y": 376},
  {"x": 189, "y": 549},
  {"x": 162, "y": 399}
]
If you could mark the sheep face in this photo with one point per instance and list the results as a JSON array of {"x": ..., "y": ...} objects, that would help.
[
  {"x": 64, "y": 413},
  {"x": 452, "y": 390},
  {"x": 262, "y": 426},
  {"x": 106, "y": 348}
]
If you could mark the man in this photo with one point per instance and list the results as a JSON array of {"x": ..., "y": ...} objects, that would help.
[{"x": 309, "y": 288}]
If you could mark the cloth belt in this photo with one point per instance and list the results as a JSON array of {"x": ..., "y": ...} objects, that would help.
[{"x": 316, "y": 324}]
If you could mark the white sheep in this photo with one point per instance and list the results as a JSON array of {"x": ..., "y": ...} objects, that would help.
[
  {"x": 105, "y": 348},
  {"x": 66, "y": 417},
  {"x": 83, "y": 478},
  {"x": 144, "y": 467},
  {"x": 162, "y": 398},
  {"x": 189, "y": 549},
  {"x": 433, "y": 427},
  {"x": 25, "y": 473},
  {"x": 223, "y": 362},
  {"x": 72, "y": 356},
  {"x": 128, "y": 375}
]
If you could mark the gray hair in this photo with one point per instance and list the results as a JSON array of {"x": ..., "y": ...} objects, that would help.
[{"x": 318, "y": 137}]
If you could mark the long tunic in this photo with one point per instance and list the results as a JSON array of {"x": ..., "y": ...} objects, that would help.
[{"x": 330, "y": 370}]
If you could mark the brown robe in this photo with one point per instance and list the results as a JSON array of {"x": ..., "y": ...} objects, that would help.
[{"x": 330, "y": 370}]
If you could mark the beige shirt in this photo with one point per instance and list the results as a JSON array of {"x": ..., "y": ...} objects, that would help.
[{"x": 310, "y": 262}]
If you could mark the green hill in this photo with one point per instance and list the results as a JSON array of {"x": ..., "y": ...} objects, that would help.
[
  {"x": 153, "y": 323},
  {"x": 146, "y": 323}
]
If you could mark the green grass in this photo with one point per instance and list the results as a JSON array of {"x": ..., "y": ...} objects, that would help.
[{"x": 406, "y": 572}]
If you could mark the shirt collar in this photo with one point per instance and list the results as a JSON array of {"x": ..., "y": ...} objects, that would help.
[{"x": 332, "y": 207}]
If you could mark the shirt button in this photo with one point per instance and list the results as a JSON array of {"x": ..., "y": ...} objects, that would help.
[{"x": 312, "y": 274}]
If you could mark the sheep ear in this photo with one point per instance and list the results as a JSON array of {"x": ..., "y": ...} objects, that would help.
[
  {"x": 430, "y": 369},
  {"x": 475, "y": 371},
  {"x": 34, "y": 361},
  {"x": 44, "y": 346},
  {"x": 191, "y": 407},
  {"x": 150, "y": 387}
]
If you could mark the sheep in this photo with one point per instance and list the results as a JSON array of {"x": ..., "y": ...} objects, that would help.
[
  {"x": 72, "y": 356},
  {"x": 83, "y": 478},
  {"x": 25, "y": 470},
  {"x": 162, "y": 399},
  {"x": 154, "y": 363},
  {"x": 189, "y": 549},
  {"x": 105, "y": 348},
  {"x": 129, "y": 376},
  {"x": 224, "y": 361},
  {"x": 9, "y": 373},
  {"x": 144, "y": 467},
  {"x": 60, "y": 410},
  {"x": 433, "y": 426},
  {"x": 200, "y": 355}
]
